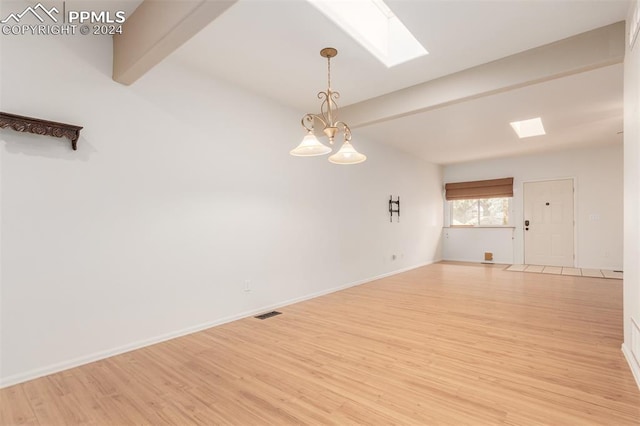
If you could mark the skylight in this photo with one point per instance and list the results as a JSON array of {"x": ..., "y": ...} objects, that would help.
[
  {"x": 528, "y": 128},
  {"x": 372, "y": 24}
]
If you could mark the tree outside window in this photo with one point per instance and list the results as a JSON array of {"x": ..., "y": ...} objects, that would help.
[{"x": 480, "y": 212}]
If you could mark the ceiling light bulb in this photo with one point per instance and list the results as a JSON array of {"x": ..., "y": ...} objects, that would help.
[
  {"x": 347, "y": 155},
  {"x": 309, "y": 147}
]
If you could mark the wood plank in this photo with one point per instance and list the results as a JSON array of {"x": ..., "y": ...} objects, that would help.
[
  {"x": 442, "y": 344},
  {"x": 15, "y": 408},
  {"x": 594, "y": 49},
  {"x": 155, "y": 30}
]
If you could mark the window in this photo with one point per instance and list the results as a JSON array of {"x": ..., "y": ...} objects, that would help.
[
  {"x": 480, "y": 212},
  {"x": 479, "y": 203}
]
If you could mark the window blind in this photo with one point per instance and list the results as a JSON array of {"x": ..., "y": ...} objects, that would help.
[{"x": 494, "y": 188}]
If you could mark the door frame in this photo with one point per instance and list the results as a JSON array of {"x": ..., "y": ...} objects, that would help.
[{"x": 575, "y": 215}]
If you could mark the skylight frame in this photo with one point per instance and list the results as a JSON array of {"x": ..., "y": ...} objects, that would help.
[
  {"x": 375, "y": 27},
  {"x": 528, "y": 128}
]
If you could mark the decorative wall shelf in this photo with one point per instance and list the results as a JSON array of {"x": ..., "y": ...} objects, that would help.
[{"x": 41, "y": 127}]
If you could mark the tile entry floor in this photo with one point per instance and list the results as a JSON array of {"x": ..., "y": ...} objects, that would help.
[{"x": 559, "y": 270}]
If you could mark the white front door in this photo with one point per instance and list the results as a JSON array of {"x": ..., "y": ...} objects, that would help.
[{"x": 548, "y": 223}]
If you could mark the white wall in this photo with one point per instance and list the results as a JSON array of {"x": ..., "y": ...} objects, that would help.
[
  {"x": 470, "y": 244},
  {"x": 631, "y": 346},
  {"x": 182, "y": 189},
  {"x": 599, "y": 194}
]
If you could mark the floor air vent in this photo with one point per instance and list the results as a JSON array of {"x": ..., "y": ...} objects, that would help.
[{"x": 268, "y": 315}]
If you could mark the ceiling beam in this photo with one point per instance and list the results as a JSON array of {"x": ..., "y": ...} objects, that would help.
[
  {"x": 587, "y": 51},
  {"x": 155, "y": 30}
]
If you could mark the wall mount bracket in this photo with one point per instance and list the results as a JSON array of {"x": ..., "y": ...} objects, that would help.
[
  {"x": 38, "y": 126},
  {"x": 392, "y": 210}
]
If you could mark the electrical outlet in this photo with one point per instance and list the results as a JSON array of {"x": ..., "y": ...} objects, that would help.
[{"x": 247, "y": 286}]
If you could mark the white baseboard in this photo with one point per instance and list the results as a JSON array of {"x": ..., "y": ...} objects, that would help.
[
  {"x": 97, "y": 356},
  {"x": 496, "y": 261},
  {"x": 633, "y": 364}
]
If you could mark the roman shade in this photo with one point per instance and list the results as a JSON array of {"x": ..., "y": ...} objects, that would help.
[{"x": 494, "y": 188}]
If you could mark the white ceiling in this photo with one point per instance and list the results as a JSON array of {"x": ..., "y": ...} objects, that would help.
[
  {"x": 579, "y": 110},
  {"x": 271, "y": 47}
]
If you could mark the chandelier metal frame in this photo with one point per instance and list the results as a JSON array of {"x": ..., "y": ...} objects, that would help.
[
  {"x": 328, "y": 117},
  {"x": 329, "y": 106}
]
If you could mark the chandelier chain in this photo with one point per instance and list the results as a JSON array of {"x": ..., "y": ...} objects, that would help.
[{"x": 329, "y": 72}]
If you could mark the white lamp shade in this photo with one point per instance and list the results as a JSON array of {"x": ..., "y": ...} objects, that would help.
[
  {"x": 347, "y": 155},
  {"x": 309, "y": 147}
]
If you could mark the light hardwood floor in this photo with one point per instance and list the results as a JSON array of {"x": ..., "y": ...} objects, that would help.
[{"x": 443, "y": 344}]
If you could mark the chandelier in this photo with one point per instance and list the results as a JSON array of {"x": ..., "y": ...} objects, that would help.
[{"x": 310, "y": 145}]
